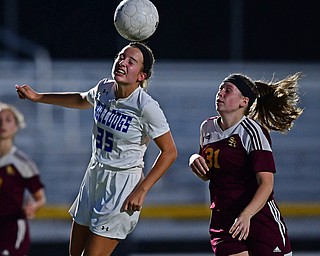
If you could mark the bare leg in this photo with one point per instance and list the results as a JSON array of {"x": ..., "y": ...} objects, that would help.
[
  {"x": 78, "y": 239},
  {"x": 100, "y": 246}
]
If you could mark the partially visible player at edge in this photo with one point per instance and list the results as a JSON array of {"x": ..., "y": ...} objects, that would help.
[
  {"x": 21, "y": 190},
  {"x": 125, "y": 119},
  {"x": 236, "y": 157}
]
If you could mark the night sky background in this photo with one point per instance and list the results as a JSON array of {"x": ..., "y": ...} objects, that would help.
[{"x": 272, "y": 30}]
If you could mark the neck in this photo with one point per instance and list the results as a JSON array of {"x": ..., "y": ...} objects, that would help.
[
  {"x": 124, "y": 91},
  {"x": 227, "y": 122},
  {"x": 5, "y": 147}
]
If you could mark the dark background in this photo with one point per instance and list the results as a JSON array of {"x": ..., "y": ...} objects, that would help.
[{"x": 268, "y": 30}]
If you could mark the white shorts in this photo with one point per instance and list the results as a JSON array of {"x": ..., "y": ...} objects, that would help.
[{"x": 100, "y": 199}]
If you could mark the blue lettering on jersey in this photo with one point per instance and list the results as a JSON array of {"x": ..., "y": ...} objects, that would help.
[{"x": 112, "y": 118}]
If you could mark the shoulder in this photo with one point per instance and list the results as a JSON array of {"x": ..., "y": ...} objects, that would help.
[
  {"x": 259, "y": 135},
  {"x": 209, "y": 122},
  {"x": 253, "y": 127},
  {"x": 144, "y": 99},
  {"x": 103, "y": 87},
  {"x": 105, "y": 84},
  {"x": 25, "y": 165},
  {"x": 212, "y": 118},
  {"x": 150, "y": 110}
]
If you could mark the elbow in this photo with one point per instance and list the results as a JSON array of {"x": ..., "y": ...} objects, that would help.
[
  {"x": 174, "y": 153},
  {"x": 171, "y": 155},
  {"x": 43, "y": 201},
  {"x": 270, "y": 190},
  {"x": 40, "y": 199}
]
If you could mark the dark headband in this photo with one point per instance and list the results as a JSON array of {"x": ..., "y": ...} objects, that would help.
[
  {"x": 242, "y": 86},
  {"x": 147, "y": 56}
]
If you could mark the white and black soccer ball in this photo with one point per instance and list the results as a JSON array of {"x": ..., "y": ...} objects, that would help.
[{"x": 136, "y": 20}]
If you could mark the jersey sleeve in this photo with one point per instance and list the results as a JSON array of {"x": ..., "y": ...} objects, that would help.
[
  {"x": 262, "y": 161},
  {"x": 104, "y": 85},
  {"x": 260, "y": 153},
  {"x": 34, "y": 183},
  {"x": 28, "y": 170},
  {"x": 155, "y": 120},
  {"x": 90, "y": 95}
]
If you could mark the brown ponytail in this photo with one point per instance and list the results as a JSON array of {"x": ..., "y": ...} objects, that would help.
[{"x": 276, "y": 105}]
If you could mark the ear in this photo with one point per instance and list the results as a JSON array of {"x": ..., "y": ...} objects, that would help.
[
  {"x": 142, "y": 76},
  {"x": 244, "y": 102}
]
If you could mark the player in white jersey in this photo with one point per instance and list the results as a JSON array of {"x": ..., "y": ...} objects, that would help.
[
  {"x": 236, "y": 157},
  {"x": 125, "y": 117}
]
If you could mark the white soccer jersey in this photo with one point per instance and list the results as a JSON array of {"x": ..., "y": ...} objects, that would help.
[{"x": 122, "y": 128}]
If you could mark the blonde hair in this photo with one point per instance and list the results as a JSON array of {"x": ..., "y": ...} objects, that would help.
[
  {"x": 276, "y": 103},
  {"x": 17, "y": 114}
]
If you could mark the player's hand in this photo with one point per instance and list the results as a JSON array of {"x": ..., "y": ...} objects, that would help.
[
  {"x": 241, "y": 227},
  {"x": 30, "y": 209},
  {"x": 26, "y": 92},
  {"x": 198, "y": 166},
  {"x": 134, "y": 201}
]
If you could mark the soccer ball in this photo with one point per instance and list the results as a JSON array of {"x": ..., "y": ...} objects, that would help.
[{"x": 136, "y": 20}]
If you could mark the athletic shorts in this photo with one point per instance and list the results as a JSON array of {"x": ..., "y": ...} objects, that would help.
[
  {"x": 268, "y": 233},
  {"x": 14, "y": 237},
  {"x": 100, "y": 199}
]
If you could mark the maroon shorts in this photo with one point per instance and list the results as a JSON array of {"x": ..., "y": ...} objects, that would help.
[
  {"x": 14, "y": 237},
  {"x": 268, "y": 233}
]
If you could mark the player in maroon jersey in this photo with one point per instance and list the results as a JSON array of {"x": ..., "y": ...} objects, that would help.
[
  {"x": 18, "y": 174},
  {"x": 236, "y": 157}
]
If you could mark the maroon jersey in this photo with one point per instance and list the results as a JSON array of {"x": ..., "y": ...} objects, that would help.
[
  {"x": 18, "y": 173},
  {"x": 234, "y": 157}
]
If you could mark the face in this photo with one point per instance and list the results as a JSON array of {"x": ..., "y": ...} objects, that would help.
[
  {"x": 127, "y": 67},
  {"x": 8, "y": 125},
  {"x": 229, "y": 99}
]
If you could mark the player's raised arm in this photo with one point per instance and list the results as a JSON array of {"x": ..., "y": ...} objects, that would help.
[{"x": 67, "y": 99}]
